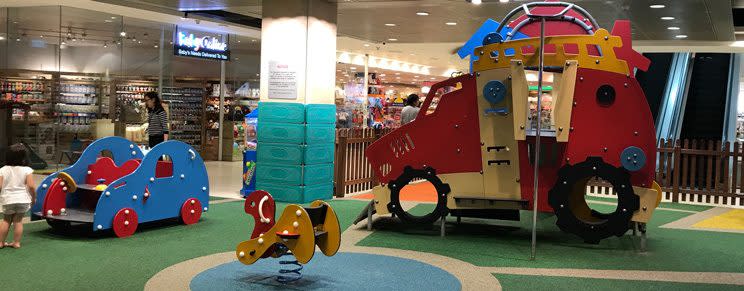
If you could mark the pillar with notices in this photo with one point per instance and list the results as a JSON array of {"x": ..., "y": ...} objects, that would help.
[{"x": 297, "y": 115}]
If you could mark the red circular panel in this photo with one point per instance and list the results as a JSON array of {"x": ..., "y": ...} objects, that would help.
[
  {"x": 125, "y": 224},
  {"x": 191, "y": 211}
]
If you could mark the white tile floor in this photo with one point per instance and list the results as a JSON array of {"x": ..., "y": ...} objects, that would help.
[{"x": 225, "y": 179}]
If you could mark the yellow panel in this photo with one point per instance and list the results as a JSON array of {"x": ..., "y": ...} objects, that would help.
[
  {"x": 520, "y": 90},
  {"x": 656, "y": 187},
  {"x": 563, "y": 101},
  {"x": 382, "y": 198},
  {"x": 500, "y": 181},
  {"x": 302, "y": 247},
  {"x": 648, "y": 204},
  {"x": 462, "y": 184},
  {"x": 69, "y": 181},
  {"x": 606, "y": 42},
  {"x": 331, "y": 241}
]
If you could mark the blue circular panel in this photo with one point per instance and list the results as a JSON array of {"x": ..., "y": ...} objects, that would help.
[
  {"x": 492, "y": 38},
  {"x": 494, "y": 91},
  {"x": 344, "y": 271},
  {"x": 632, "y": 158}
]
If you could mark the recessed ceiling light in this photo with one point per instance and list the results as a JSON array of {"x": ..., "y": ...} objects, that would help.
[
  {"x": 366, "y": 44},
  {"x": 113, "y": 17},
  {"x": 108, "y": 20},
  {"x": 422, "y": 13},
  {"x": 397, "y": 73},
  {"x": 353, "y": 68},
  {"x": 392, "y": 39},
  {"x": 738, "y": 43},
  {"x": 432, "y": 78},
  {"x": 504, "y": 1},
  {"x": 389, "y": 24},
  {"x": 123, "y": 33},
  {"x": 667, "y": 18},
  {"x": 450, "y": 23},
  {"x": 673, "y": 28},
  {"x": 680, "y": 36},
  {"x": 476, "y": 2},
  {"x": 657, "y": 6},
  {"x": 2, "y": 37}
]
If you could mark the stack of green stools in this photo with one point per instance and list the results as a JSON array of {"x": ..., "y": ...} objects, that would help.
[{"x": 296, "y": 144}]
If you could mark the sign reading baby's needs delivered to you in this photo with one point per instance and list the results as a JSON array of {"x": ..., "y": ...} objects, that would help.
[
  {"x": 199, "y": 44},
  {"x": 282, "y": 81}
]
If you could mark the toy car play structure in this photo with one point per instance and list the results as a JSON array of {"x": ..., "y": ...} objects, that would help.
[
  {"x": 127, "y": 188},
  {"x": 478, "y": 146}
]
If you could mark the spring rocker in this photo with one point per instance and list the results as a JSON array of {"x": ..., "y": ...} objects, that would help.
[
  {"x": 504, "y": 152},
  {"x": 126, "y": 189},
  {"x": 297, "y": 232}
]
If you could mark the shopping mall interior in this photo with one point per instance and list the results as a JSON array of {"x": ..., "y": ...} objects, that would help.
[{"x": 371, "y": 144}]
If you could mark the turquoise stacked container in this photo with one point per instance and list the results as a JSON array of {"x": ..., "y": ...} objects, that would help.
[{"x": 295, "y": 151}]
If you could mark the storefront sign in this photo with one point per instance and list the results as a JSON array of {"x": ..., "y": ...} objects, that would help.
[
  {"x": 200, "y": 45},
  {"x": 282, "y": 81}
]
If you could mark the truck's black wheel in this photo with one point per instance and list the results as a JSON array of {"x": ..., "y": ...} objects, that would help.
[
  {"x": 574, "y": 214},
  {"x": 408, "y": 175}
]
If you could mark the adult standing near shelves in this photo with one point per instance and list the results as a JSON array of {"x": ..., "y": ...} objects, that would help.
[
  {"x": 411, "y": 110},
  {"x": 157, "y": 119}
]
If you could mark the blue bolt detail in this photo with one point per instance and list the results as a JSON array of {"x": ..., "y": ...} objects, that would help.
[
  {"x": 494, "y": 91},
  {"x": 633, "y": 158}
]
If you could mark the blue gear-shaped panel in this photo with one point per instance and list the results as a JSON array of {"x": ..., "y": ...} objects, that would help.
[
  {"x": 633, "y": 158},
  {"x": 492, "y": 38},
  {"x": 494, "y": 91}
]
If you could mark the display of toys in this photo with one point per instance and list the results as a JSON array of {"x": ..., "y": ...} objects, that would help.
[
  {"x": 297, "y": 232},
  {"x": 481, "y": 161},
  {"x": 127, "y": 189}
]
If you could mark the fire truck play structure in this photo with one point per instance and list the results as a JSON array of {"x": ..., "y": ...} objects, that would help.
[
  {"x": 297, "y": 232},
  {"x": 478, "y": 147},
  {"x": 126, "y": 189}
]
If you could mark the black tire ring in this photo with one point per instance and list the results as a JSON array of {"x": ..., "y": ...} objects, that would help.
[
  {"x": 406, "y": 177},
  {"x": 616, "y": 223}
]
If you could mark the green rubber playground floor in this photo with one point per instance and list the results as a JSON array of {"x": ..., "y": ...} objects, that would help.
[
  {"x": 499, "y": 246},
  {"x": 50, "y": 261}
]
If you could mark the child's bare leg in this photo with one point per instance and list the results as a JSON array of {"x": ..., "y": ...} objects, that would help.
[
  {"x": 4, "y": 227},
  {"x": 17, "y": 229}
]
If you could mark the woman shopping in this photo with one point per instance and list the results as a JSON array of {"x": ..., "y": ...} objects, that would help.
[{"x": 157, "y": 130}]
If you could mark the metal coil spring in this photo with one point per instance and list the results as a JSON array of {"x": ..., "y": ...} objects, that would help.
[{"x": 288, "y": 275}]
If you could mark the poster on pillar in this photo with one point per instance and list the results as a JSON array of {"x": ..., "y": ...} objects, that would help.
[{"x": 282, "y": 81}]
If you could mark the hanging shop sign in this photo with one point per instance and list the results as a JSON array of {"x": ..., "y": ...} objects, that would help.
[
  {"x": 200, "y": 44},
  {"x": 282, "y": 81}
]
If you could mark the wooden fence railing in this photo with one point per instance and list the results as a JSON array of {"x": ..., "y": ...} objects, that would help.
[
  {"x": 353, "y": 171},
  {"x": 696, "y": 171}
]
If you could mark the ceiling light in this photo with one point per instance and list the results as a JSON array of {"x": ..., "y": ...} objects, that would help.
[
  {"x": 123, "y": 33},
  {"x": 238, "y": 41},
  {"x": 2, "y": 37},
  {"x": 41, "y": 36},
  {"x": 476, "y": 2},
  {"x": 105, "y": 44},
  {"x": 392, "y": 39},
  {"x": 156, "y": 46},
  {"x": 673, "y": 28},
  {"x": 422, "y": 13},
  {"x": 253, "y": 40},
  {"x": 738, "y": 43},
  {"x": 366, "y": 44},
  {"x": 108, "y": 20},
  {"x": 390, "y": 24},
  {"x": 432, "y": 78},
  {"x": 450, "y": 23},
  {"x": 113, "y": 17},
  {"x": 504, "y": 1},
  {"x": 681, "y": 36},
  {"x": 412, "y": 54},
  {"x": 397, "y": 73},
  {"x": 63, "y": 42},
  {"x": 667, "y": 18},
  {"x": 353, "y": 68},
  {"x": 18, "y": 39},
  {"x": 657, "y": 6}
]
